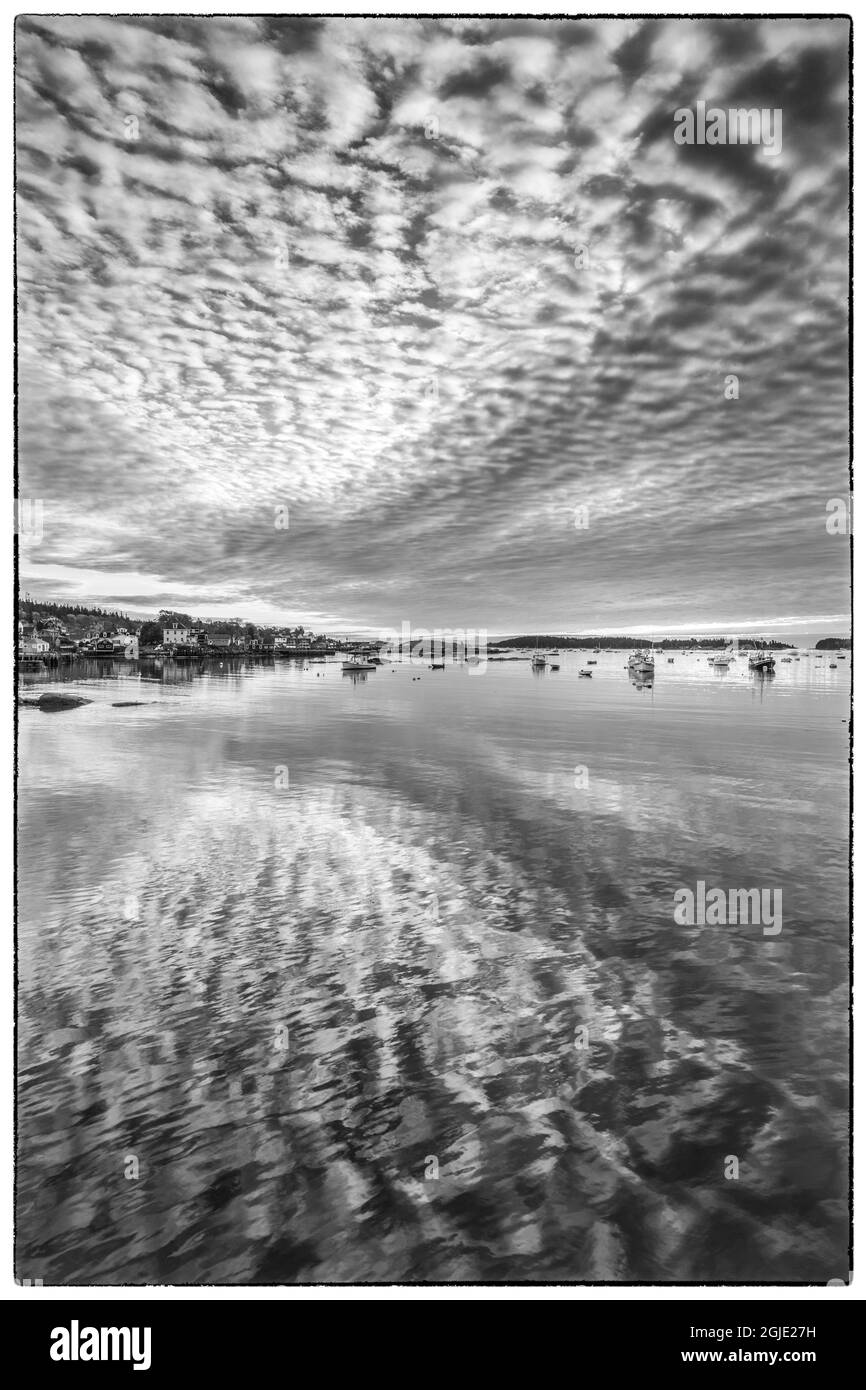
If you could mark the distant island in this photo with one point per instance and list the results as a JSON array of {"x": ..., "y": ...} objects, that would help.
[
  {"x": 833, "y": 644},
  {"x": 662, "y": 644}
]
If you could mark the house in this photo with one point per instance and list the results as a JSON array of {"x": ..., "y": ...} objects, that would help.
[
  {"x": 33, "y": 647},
  {"x": 227, "y": 639},
  {"x": 176, "y": 636},
  {"x": 125, "y": 644}
]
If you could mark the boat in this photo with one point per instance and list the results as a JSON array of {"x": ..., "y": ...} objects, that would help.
[
  {"x": 786, "y": 661},
  {"x": 587, "y": 674},
  {"x": 832, "y": 666},
  {"x": 438, "y": 666},
  {"x": 592, "y": 663},
  {"x": 643, "y": 663},
  {"x": 840, "y": 656},
  {"x": 762, "y": 661},
  {"x": 670, "y": 661},
  {"x": 358, "y": 664},
  {"x": 554, "y": 665}
]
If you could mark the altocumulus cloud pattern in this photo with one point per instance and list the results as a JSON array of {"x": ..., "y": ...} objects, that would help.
[{"x": 431, "y": 284}]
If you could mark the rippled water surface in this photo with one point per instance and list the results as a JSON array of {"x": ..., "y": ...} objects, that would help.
[{"x": 329, "y": 978}]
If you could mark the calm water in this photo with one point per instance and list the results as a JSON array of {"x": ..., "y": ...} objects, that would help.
[{"x": 292, "y": 942}]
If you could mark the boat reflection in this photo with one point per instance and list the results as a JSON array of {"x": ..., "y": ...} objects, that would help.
[{"x": 641, "y": 680}]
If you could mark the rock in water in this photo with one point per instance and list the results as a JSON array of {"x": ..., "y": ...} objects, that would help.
[{"x": 54, "y": 701}]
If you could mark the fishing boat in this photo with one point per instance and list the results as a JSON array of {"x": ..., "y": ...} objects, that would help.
[
  {"x": 554, "y": 665},
  {"x": 539, "y": 661},
  {"x": 358, "y": 664},
  {"x": 762, "y": 661},
  {"x": 438, "y": 666},
  {"x": 641, "y": 663},
  {"x": 592, "y": 663},
  {"x": 586, "y": 674}
]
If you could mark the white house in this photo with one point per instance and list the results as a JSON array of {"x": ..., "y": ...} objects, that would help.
[
  {"x": 32, "y": 646},
  {"x": 126, "y": 644},
  {"x": 176, "y": 636}
]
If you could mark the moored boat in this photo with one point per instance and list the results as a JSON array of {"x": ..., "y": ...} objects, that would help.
[
  {"x": 642, "y": 663},
  {"x": 762, "y": 661}
]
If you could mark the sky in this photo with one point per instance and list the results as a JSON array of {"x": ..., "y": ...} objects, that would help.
[{"x": 363, "y": 322}]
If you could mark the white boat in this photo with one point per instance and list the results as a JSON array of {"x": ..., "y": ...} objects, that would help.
[
  {"x": 642, "y": 662},
  {"x": 722, "y": 660},
  {"x": 358, "y": 664},
  {"x": 585, "y": 673}
]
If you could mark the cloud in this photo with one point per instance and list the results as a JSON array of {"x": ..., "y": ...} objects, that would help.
[{"x": 432, "y": 285}]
